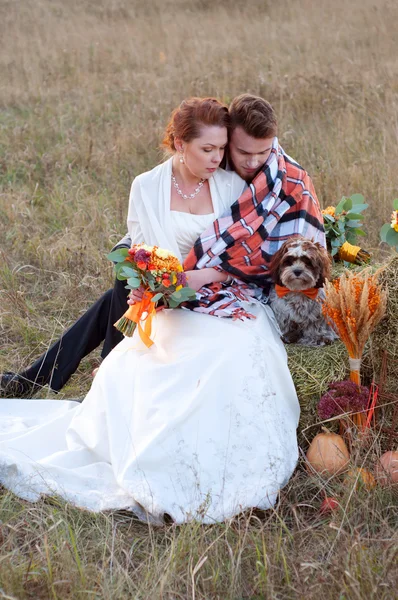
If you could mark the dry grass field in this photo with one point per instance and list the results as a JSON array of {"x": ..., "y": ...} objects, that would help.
[{"x": 85, "y": 90}]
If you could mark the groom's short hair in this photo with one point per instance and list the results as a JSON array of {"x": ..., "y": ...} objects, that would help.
[{"x": 255, "y": 115}]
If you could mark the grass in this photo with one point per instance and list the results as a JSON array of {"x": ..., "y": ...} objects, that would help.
[{"x": 85, "y": 91}]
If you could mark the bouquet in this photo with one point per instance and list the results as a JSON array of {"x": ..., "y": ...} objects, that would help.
[
  {"x": 342, "y": 226},
  {"x": 354, "y": 304},
  {"x": 160, "y": 274}
]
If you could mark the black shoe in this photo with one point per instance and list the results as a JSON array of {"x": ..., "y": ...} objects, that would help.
[{"x": 13, "y": 385}]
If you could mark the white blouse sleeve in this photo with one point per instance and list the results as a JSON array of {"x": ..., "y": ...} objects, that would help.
[{"x": 133, "y": 225}]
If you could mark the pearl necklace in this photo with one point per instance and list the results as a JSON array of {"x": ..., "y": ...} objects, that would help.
[{"x": 185, "y": 196}]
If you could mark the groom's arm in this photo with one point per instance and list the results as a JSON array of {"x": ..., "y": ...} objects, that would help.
[{"x": 125, "y": 242}]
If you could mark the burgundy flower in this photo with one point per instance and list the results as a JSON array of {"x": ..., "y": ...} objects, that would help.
[
  {"x": 181, "y": 279},
  {"x": 142, "y": 256},
  {"x": 343, "y": 397}
]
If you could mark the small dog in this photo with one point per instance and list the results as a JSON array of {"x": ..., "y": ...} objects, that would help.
[{"x": 299, "y": 269}]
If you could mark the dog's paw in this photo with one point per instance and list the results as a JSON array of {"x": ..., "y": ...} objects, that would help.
[
  {"x": 324, "y": 341},
  {"x": 292, "y": 337}
]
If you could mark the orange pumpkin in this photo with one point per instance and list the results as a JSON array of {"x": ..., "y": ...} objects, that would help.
[
  {"x": 327, "y": 454},
  {"x": 358, "y": 476},
  {"x": 386, "y": 470}
]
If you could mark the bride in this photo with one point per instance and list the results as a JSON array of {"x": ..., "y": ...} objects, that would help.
[{"x": 202, "y": 425}]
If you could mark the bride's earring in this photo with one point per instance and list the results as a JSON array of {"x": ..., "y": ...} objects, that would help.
[{"x": 182, "y": 159}]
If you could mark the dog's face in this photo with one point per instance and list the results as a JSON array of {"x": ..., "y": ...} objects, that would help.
[{"x": 300, "y": 264}]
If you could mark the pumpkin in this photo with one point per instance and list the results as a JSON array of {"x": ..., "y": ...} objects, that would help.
[
  {"x": 358, "y": 476},
  {"x": 327, "y": 454},
  {"x": 387, "y": 468}
]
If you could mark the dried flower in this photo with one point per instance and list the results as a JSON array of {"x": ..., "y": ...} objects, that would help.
[
  {"x": 353, "y": 305},
  {"x": 343, "y": 397}
]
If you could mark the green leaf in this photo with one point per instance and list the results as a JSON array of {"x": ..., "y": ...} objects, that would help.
[
  {"x": 357, "y": 199},
  {"x": 395, "y": 204},
  {"x": 336, "y": 243},
  {"x": 334, "y": 251},
  {"x": 384, "y": 230},
  {"x": 344, "y": 204},
  {"x": 118, "y": 256},
  {"x": 134, "y": 282},
  {"x": 355, "y": 216},
  {"x": 176, "y": 295},
  {"x": 329, "y": 218},
  {"x": 351, "y": 237},
  {"x": 129, "y": 272},
  {"x": 353, "y": 224},
  {"x": 340, "y": 206},
  {"x": 358, "y": 231},
  {"x": 186, "y": 293},
  {"x": 358, "y": 208},
  {"x": 336, "y": 231},
  {"x": 157, "y": 297},
  {"x": 172, "y": 303},
  {"x": 152, "y": 285},
  {"x": 392, "y": 237}
]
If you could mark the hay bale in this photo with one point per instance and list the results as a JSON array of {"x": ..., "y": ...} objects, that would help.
[
  {"x": 385, "y": 336},
  {"x": 312, "y": 370}
]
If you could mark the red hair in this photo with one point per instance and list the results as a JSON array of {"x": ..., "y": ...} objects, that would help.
[{"x": 186, "y": 120}]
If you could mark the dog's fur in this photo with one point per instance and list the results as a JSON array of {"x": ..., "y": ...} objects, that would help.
[{"x": 301, "y": 264}]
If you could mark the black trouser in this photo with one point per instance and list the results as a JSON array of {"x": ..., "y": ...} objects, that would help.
[{"x": 60, "y": 361}]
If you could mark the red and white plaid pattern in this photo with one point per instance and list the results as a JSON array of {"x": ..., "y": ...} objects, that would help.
[{"x": 279, "y": 203}]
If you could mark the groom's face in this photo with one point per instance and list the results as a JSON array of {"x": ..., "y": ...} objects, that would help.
[{"x": 248, "y": 154}]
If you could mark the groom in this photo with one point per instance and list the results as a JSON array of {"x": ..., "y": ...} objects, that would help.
[{"x": 254, "y": 127}]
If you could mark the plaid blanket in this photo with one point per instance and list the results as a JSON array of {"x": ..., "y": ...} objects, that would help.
[{"x": 279, "y": 203}]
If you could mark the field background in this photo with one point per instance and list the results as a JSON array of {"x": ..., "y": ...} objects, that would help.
[{"x": 86, "y": 88}]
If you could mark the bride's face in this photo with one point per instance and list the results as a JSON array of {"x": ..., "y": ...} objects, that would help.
[{"x": 203, "y": 155}]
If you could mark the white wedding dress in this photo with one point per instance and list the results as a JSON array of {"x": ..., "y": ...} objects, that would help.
[{"x": 200, "y": 426}]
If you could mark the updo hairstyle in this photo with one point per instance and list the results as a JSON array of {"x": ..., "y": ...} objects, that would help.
[{"x": 187, "y": 119}]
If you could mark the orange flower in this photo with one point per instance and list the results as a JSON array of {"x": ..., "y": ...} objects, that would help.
[
  {"x": 142, "y": 266},
  {"x": 330, "y": 210}
]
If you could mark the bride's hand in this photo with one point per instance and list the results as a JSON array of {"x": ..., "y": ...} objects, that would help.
[
  {"x": 198, "y": 278},
  {"x": 135, "y": 296}
]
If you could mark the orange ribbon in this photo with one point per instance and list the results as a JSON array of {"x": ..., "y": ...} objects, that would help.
[
  {"x": 281, "y": 291},
  {"x": 135, "y": 313}
]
